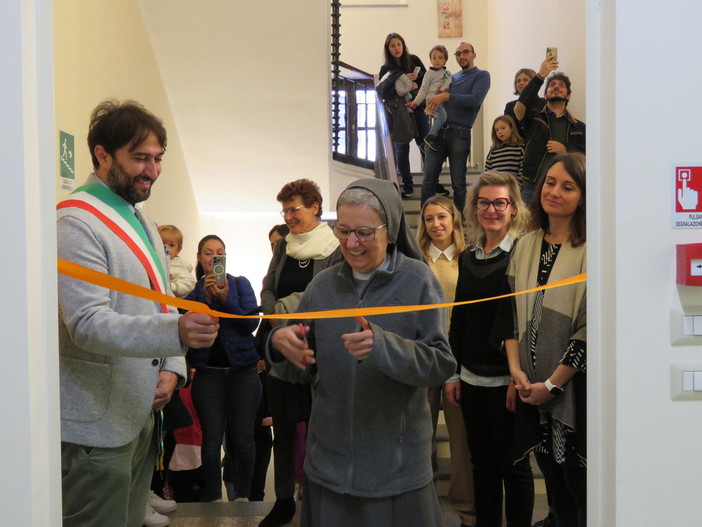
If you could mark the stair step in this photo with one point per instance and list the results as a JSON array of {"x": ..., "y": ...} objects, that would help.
[
  {"x": 442, "y": 432},
  {"x": 443, "y": 471}
]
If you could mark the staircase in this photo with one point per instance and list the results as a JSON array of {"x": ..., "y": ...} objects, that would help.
[{"x": 412, "y": 204}]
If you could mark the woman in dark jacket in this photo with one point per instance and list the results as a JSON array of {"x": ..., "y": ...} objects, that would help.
[
  {"x": 397, "y": 57},
  {"x": 226, "y": 388},
  {"x": 309, "y": 248}
]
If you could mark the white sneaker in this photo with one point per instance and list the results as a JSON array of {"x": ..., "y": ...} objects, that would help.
[
  {"x": 154, "y": 519},
  {"x": 161, "y": 505}
]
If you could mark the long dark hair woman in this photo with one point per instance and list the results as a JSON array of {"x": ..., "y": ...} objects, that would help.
[
  {"x": 397, "y": 57},
  {"x": 226, "y": 390},
  {"x": 309, "y": 248},
  {"x": 548, "y": 352}
]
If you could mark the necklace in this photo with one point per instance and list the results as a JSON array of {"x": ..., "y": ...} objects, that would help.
[{"x": 303, "y": 263}]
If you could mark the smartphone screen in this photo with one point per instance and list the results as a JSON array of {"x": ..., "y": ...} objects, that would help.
[{"x": 219, "y": 263}]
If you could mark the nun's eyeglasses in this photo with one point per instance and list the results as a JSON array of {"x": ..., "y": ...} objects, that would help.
[{"x": 364, "y": 234}]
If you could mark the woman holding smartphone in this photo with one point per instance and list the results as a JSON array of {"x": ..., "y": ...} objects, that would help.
[{"x": 226, "y": 389}]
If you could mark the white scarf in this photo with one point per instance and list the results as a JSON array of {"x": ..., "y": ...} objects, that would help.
[{"x": 316, "y": 244}]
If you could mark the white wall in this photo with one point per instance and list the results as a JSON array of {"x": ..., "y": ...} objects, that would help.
[
  {"x": 518, "y": 34},
  {"x": 653, "y": 123},
  {"x": 249, "y": 85},
  {"x": 29, "y": 447},
  {"x": 102, "y": 50}
]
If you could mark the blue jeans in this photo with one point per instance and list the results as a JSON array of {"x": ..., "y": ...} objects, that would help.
[
  {"x": 440, "y": 117},
  {"x": 227, "y": 397},
  {"x": 454, "y": 144}
]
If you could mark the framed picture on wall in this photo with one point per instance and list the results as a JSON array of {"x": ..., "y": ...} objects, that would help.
[{"x": 450, "y": 18}]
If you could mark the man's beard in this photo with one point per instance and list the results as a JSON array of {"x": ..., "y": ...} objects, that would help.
[
  {"x": 556, "y": 98},
  {"x": 122, "y": 184}
]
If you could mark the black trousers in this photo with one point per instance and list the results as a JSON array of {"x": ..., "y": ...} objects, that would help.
[
  {"x": 490, "y": 431},
  {"x": 289, "y": 404},
  {"x": 567, "y": 486}
]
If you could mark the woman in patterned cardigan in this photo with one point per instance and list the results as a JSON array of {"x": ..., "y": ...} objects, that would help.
[{"x": 547, "y": 351}]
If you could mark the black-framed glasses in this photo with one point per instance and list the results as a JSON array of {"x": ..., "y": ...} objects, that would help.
[
  {"x": 292, "y": 211},
  {"x": 499, "y": 204},
  {"x": 463, "y": 52},
  {"x": 364, "y": 234}
]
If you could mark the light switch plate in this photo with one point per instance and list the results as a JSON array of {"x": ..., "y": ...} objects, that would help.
[
  {"x": 676, "y": 381},
  {"x": 682, "y": 322}
]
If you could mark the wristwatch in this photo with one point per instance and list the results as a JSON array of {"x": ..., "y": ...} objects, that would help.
[{"x": 552, "y": 388}]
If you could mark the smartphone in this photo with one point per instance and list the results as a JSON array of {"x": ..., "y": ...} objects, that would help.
[
  {"x": 417, "y": 70},
  {"x": 219, "y": 268},
  {"x": 552, "y": 51}
]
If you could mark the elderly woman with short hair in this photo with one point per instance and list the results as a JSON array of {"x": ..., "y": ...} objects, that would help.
[{"x": 307, "y": 249}]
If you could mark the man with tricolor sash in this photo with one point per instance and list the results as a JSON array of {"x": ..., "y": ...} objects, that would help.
[{"x": 121, "y": 357}]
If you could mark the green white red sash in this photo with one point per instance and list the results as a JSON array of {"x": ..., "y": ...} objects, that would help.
[{"x": 114, "y": 212}]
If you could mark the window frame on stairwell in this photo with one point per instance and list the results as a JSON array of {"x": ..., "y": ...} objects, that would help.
[{"x": 354, "y": 114}]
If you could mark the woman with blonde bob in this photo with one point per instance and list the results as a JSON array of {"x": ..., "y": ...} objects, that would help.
[
  {"x": 495, "y": 218},
  {"x": 440, "y": 237}
]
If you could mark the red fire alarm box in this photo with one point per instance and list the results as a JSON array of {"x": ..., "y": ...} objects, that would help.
[{"x": 689, "y": 264}]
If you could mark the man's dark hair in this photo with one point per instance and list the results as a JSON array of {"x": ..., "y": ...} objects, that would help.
[
  {"x": 558, "y": 77},
  {"x": 114, "y": 125}
]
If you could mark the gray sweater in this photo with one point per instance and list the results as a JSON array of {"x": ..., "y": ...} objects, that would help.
[
  {"x": 370, "y": 430},
  {"x": 433, "y": 80},
  {"x": 110, "y": 344}
]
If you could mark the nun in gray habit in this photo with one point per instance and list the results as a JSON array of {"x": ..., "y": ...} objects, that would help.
[{"x": 369, "y": 442}]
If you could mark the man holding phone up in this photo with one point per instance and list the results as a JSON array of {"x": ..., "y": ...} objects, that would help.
[
  {"x": 550, "y": 129},
  {"x": 112, "y": 345}
]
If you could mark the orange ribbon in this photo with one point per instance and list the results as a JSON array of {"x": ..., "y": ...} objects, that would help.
[{"x": 91, "y": 276}]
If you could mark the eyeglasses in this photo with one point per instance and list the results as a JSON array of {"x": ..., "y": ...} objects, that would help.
[
  {"x": 499, "y": 204},
  {"x": 463, "y": 52},
  {"x": 364, "y": 234},
  {"x": 292, "y": 211}
]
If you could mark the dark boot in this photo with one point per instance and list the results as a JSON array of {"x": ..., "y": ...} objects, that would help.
[{"x": 282, "y": 512}]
